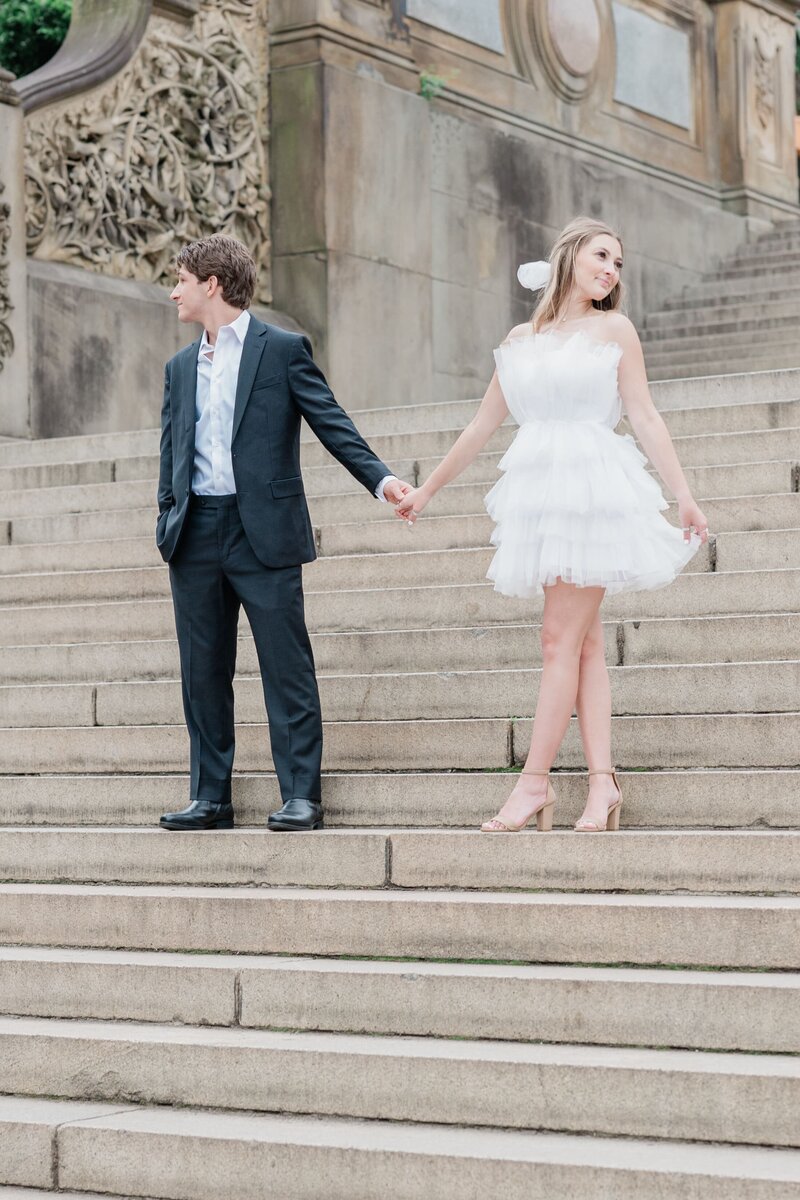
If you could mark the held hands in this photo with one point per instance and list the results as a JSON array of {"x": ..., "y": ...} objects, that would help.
[
  {"x": 412, "y": 505},
  {"x": 692, "y": 520},
  {"x": 395, "y": 489}
]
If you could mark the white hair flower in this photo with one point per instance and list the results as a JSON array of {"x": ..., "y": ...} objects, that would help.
[{"x": 534, "y": 275}]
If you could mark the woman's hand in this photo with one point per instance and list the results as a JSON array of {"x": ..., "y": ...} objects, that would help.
[
  {"x": 412, "y": 505},
  {"x": 692, "y": 518}
]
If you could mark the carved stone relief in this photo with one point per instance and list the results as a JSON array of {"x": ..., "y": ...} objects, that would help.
[
  {"x": 172, "y": 149},
  {"x": 6, "y": 307},
  {"x": 766, "y": 87}
]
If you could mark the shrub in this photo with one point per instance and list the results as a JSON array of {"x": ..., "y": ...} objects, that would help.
[{"x": 31, "y": 31}]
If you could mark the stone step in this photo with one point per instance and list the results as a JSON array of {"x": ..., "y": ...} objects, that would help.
[
  {"x": 760, "y": 637},
  {"x": 714, "y": 316},
  {"x": 711, "y": 297},
  {"x": 677, "y": 370},
  {"x": 70, "y": 480},
  {"x": 705, "y": 346},
  {"x": 727, "y": 480},
  {"x": 781, "y": 268},
  {"x": 373, "y": 423},
  {"x": 693, "y": 594},
  {"x": 690, "y": 798},
  {"x": 740, "y": 862},
  {"x": 746, "y": 932},
  {"x": 766, "y": 255},
  {"x": 82, "y": 448},
  {"x": 760, "y": 533},
  {"x": 717, "y": 740},
  {"x": 695, "y": 447},
  {"x": 781, "y": 511},
  {"x": 24, "y": 1193},
  {"x": 755, "y": 550},
  {"x": 728, "y": 518},
  {"x": 699, "y": 1010},
  {"x": 752, "y": 687},
  {"x": 639, "y": 740},
  {"x": 764, "y": 323},
  {"x": 677, "y": 1094},
  {"x": 406, "y": 566},
  {"x": 174, "y": 1154}
]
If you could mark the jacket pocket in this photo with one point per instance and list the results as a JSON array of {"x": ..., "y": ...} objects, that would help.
[
  {"x": 281, "y": 488},
  {"x": 270, "y": 381}
]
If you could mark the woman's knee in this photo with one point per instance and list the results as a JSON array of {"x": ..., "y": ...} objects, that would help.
[
  {"x": 593, "y": 644},
  {"x": 560, "y": 641}
]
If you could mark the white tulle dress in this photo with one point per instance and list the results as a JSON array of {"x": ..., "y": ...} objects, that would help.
[{"x": 575, "y": 500}]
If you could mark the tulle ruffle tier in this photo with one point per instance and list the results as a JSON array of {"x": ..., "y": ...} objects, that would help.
[{"x": 575, "y": 502}]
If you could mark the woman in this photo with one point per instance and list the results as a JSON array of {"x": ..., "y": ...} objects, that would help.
[{"x": 577, "y": 515}]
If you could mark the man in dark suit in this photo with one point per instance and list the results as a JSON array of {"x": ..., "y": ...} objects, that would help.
[{"x": 234, "y": 527}]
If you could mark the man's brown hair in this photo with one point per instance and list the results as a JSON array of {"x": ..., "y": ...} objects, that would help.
[{"x": 229, "y": 260}]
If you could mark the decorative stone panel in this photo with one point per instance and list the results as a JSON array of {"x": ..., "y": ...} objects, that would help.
[
  {"x": 6, "y": 307},
  {"x": 172, "y": 149}
]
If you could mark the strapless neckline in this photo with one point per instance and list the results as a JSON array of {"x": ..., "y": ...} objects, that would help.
[{"x": 562, "y": 336}]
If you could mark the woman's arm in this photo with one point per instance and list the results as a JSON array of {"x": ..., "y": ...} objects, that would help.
[
  {"x": 489, "y": 417},
  {"x": 648, "y": 424}
]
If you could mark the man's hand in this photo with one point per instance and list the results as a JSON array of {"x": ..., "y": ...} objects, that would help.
[{"x": 395, "y": 489}]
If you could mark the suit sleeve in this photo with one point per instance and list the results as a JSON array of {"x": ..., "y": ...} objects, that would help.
[
  {"x": 165, "y": 497},
  {"x": 329, "y": 421}
]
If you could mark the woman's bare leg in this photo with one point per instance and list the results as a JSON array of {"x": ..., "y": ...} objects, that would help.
[
  {"x": 568, "y": 615},
  {"x": 594, "y": 718}
]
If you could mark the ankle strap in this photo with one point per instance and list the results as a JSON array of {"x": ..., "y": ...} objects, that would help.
[
  {"x": 547, "y": 772},
  {"x": 611, "y": 771}
]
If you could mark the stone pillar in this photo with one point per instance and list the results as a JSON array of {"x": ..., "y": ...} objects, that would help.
[
  {"x": 352, "y": 222},
  {"x": 755, "y": 45},
  {"x": 14, "y": 403}
]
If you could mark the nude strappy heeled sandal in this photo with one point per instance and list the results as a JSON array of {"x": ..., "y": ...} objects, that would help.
[
  {"x": 612, "y": 818},
  {"x": 543, "y": 814}
]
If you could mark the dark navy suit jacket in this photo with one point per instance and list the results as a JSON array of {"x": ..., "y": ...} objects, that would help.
[{"x": 279, "y": 383}]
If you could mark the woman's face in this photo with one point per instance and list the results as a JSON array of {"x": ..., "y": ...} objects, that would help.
[{"x": 597, "y": 266}]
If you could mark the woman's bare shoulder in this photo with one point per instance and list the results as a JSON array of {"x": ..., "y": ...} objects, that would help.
[{"x": 620, "y": 328}]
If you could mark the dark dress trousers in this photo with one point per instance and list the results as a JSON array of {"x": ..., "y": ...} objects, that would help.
[{"x": 247, "y": 550}]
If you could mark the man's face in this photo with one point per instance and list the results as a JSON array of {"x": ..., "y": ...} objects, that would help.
[{"x": 191, "y": 296}]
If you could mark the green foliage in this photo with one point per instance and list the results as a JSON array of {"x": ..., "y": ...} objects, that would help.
[
  {"x": 31, "y": 31},
  {"x": 430, "y": 86}
]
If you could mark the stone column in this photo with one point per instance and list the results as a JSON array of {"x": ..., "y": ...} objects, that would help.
[
  {"x": 755, "y": 46},
  {"x": 14, "y": 404}
]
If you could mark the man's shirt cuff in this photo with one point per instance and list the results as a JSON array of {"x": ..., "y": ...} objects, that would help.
[{"x": 379, "y": 489}]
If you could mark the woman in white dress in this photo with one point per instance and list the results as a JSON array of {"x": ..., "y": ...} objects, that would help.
[{"x": 577, "y": 515}]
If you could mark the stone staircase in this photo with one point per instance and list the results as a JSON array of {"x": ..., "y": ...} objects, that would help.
[
  {"x": 742, "y": 316},
  {"x": 401, "y": 1007}
]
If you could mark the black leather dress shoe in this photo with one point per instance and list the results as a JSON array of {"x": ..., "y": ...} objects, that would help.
[
  {"x": 200, "y": 814},
  {"x": 297, "y": 814}
]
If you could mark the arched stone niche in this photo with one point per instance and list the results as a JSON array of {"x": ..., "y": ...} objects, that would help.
[{"x": 563, "y": 39}]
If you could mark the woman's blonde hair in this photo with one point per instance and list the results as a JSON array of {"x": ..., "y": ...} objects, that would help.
[{"x": 562, "y": 275}]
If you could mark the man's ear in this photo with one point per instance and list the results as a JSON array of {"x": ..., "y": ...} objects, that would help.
[{"x": 213, "y": 285}]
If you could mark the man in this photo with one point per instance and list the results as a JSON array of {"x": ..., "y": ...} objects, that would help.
[{"x": 233, "y": 525}]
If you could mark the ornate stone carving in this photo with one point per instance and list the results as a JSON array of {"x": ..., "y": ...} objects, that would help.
[
  {"x": 766, "y": 64},
  {"x": 6, "y": 307},
  {"x": 174, "y": 148}
]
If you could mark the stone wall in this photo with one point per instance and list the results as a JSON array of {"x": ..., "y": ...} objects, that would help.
[
  {"x": 412, "y": 153},
  {"x": 399, "y": 220}
]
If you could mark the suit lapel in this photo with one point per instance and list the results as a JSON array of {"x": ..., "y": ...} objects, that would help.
[
  {"x": 189, "y": 398},
  {"x": 254, "y": 342}
]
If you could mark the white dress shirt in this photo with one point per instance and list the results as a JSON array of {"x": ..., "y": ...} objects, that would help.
[{"x": 217, "y": 376}]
